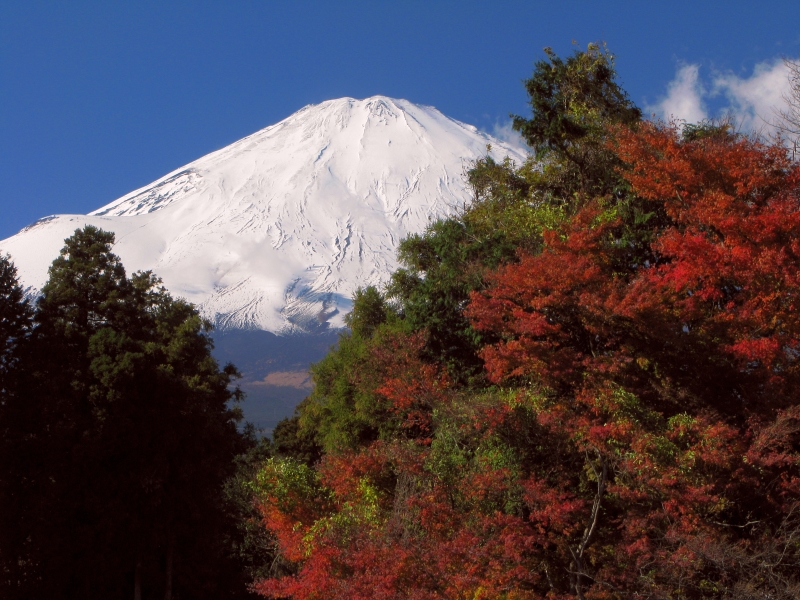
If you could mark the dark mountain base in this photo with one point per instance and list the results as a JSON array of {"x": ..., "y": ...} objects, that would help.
[{"x": 274, "y": 369}]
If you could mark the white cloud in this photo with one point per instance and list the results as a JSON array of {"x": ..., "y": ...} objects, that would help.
[
  {"x": 505, "y": 132},
  {"x": 684, "y": 99},
  {"x": 752, "y": 101}
]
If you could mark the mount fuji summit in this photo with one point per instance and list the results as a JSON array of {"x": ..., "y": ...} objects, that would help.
[{"x": 276, "y": 231}]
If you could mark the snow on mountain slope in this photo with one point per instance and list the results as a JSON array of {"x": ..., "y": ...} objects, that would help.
[{"x": 277, "y": 230}]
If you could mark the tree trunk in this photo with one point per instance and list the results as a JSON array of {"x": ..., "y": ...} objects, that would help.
[
  {"x": 170, "y": 555},
  {"x": 137, "y": 579}
]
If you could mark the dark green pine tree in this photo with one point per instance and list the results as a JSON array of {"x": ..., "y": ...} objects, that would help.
[
  {"x": 126, "y": 436},
  {"x": 15, "y": 319},
  {"x": 15, "y": 327}
]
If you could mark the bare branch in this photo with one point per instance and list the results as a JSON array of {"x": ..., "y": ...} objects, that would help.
[
  {"x": 594, "y": 517},
  {"x": 787, "y": 121}
]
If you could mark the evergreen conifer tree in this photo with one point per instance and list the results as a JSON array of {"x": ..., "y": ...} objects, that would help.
[
  {"x": 15, "y": 318},
  {"x": 126, "y": 436},
  {"x": 15, "y": 328}
]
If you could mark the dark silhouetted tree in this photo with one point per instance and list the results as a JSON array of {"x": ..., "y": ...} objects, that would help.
[{"x": 123, "y": 438}]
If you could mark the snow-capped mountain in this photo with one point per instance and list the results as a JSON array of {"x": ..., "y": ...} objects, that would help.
[{"x": 277, "y": 230}]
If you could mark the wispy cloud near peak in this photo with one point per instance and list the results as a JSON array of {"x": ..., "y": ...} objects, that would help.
[
  {"x": 503, "y": 130},
  {"x": 752, "y": 101}
]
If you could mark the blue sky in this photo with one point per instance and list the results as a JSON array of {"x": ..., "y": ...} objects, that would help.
[{"x": 99, "y": 98}]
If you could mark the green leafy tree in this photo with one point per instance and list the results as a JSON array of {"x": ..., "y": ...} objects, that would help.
[
  {"x": 343, "y": 410},
  {"x": 251, "y": 546},
  {"x": 440, "y": 268},
  {"x": 290, "y": 440},
  {"x": 573, "y": 102}
]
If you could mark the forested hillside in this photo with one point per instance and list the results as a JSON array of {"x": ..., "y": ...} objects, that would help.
[{"x": 583, "y": 386}]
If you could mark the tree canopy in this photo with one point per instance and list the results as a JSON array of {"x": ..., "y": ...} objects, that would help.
[{"x": 599, "y": 401}]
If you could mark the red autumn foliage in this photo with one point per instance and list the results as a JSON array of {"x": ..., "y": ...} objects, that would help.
[
  {"x": 704, "y": 327},
  {"x": 644, "y": 438},
  {"x": 412, "y": 386}
]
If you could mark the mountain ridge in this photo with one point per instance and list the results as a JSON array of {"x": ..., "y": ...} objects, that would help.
[{"x": 276, "y": 231}]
